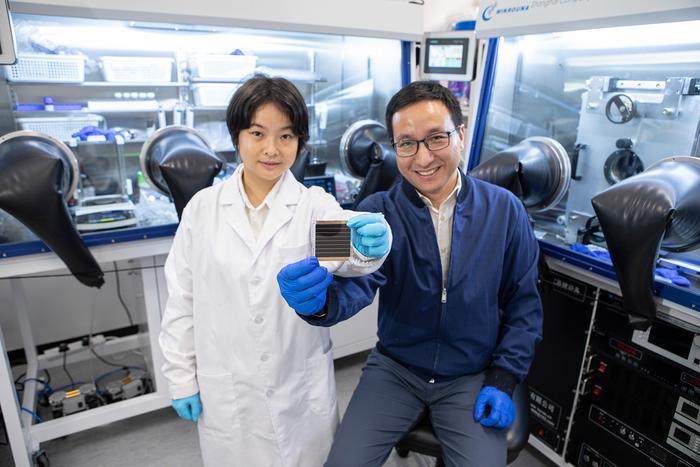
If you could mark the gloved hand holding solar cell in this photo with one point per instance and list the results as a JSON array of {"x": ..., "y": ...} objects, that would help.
[
  {"x": 303, "y": 285},
  {"x": 370, "y": 234}
]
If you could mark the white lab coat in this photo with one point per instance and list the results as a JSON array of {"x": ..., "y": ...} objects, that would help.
[{"x": 265, "y": 376}]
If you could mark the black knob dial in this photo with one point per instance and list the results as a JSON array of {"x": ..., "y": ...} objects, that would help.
[{"x": 620, "y": 109}]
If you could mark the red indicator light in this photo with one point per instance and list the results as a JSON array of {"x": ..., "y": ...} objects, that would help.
[
  {"x": 628, "y": 349},
  {"x": 691, "y": 380}
]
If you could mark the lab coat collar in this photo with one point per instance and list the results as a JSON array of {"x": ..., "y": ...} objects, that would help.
[
  {"x": 289, "y": 193},
  {"x": 288, "y": 189}
]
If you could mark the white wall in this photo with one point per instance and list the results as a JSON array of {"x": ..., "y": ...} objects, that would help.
[
  {"x": 397, "y": 19},
  {"x": 440, "y": 15}
]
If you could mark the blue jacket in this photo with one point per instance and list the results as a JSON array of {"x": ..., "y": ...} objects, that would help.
[{"x": 488, "y": 317}]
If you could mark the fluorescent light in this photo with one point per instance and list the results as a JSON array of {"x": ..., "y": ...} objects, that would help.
[
  {"x": 650, "y": 35},
  {"x": 657, "y": 58}
]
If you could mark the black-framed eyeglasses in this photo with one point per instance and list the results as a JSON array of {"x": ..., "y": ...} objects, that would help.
[{"x": 434, "y": 142}]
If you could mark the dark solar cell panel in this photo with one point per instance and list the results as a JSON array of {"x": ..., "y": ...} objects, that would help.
[{"x": 332, "y": 241}]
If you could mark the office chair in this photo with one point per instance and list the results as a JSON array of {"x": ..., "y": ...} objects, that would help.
[{"x": 421, "y": 438}]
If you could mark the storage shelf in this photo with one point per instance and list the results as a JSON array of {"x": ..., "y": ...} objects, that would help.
[
  {"x": 209, "y": 107},
  {"x": 102, "y": 84},
  {"x": 214, "y": 108},
  {"x": 68, "y": 113},
  {"x": 229, "y": 81}
]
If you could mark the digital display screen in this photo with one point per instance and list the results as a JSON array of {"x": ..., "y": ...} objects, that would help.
[
  {"x": 690, "y": 410},
  {"x": 327, "y": 183},
  {"x": 671, "y": 338},
  {"x": 682, "y": 436},
  {"x": 686, "y": 378},
  {"x": 446, "y": 55},
  {"x": 628, "y": 349}
]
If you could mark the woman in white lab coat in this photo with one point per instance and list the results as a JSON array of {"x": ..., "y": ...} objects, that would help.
[{"x": 264, "y": 376}]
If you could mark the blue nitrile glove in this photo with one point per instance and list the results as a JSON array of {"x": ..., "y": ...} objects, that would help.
[
  {"x": 601, "y": 255},
  {"x": 502, "y": 409},
  {"x": 188, "y": 408},
  {"x": 370, "y": 235},
  {"x": 673, "y": 276},
  {"x": 92, "y": 130},
  {"x": 303, "y": 285}
]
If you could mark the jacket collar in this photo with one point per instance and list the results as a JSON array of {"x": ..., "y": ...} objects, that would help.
[{"x": 410, "y": 191}]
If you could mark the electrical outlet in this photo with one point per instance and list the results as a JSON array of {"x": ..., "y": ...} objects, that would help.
[
  {"x": 98, "y": 339},
  {"x": 52, "y": 352},
  {"x": 76, "y": 345}
]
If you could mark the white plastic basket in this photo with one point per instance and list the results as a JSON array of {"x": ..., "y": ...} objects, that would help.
[
  {"x": 60, "y": 128},
  {"x": 233, "y": 67},
  {"x": 137, "y": 69},
  {"x": 47, "y": 68},
  {"x": 213, "y": 94}
]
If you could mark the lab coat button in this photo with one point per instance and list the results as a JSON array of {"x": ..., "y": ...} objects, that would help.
[
  {"x": 258, "y": 319},
  {"x": 255, "y": 280},
  {"x": 264, "y": 357},
  {"x": 268, "y": 393}
]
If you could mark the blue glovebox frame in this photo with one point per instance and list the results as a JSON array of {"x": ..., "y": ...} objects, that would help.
[
  {"x": 92, "y": 239},
  {"x": 680, "y": 295}
]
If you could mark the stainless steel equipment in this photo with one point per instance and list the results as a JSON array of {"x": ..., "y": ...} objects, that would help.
[{"x": 626, "y": 126}]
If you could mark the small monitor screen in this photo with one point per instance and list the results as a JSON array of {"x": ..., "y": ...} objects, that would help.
[
  {"x": 671, "y": 338},
  {"x": 446, "y": 55},
  {"x": 690, "y": 410},
  {"x": 681, "y": 435}
]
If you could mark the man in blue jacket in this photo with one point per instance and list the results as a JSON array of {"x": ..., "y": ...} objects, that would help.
[{"x": 459, "y": 309}]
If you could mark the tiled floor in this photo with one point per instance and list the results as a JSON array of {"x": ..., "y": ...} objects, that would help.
[{"x": 161, "y": 439}]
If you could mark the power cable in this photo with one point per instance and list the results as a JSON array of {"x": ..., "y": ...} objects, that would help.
[
  {"x": 119, "y": 294},
  {"x": 70, "y": 378}
]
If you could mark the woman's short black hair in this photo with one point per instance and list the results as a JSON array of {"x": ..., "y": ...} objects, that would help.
[
  {"x": 419, "y": 91},
  {"x": 260, "y": 90}
]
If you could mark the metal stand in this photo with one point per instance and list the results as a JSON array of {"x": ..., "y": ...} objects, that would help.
[{"x": 25, "y": 436}]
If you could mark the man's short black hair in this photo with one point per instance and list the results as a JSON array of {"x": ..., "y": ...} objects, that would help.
[
  {"x": 260, "y": 90},
  {"x": 422, "y": 91}
]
